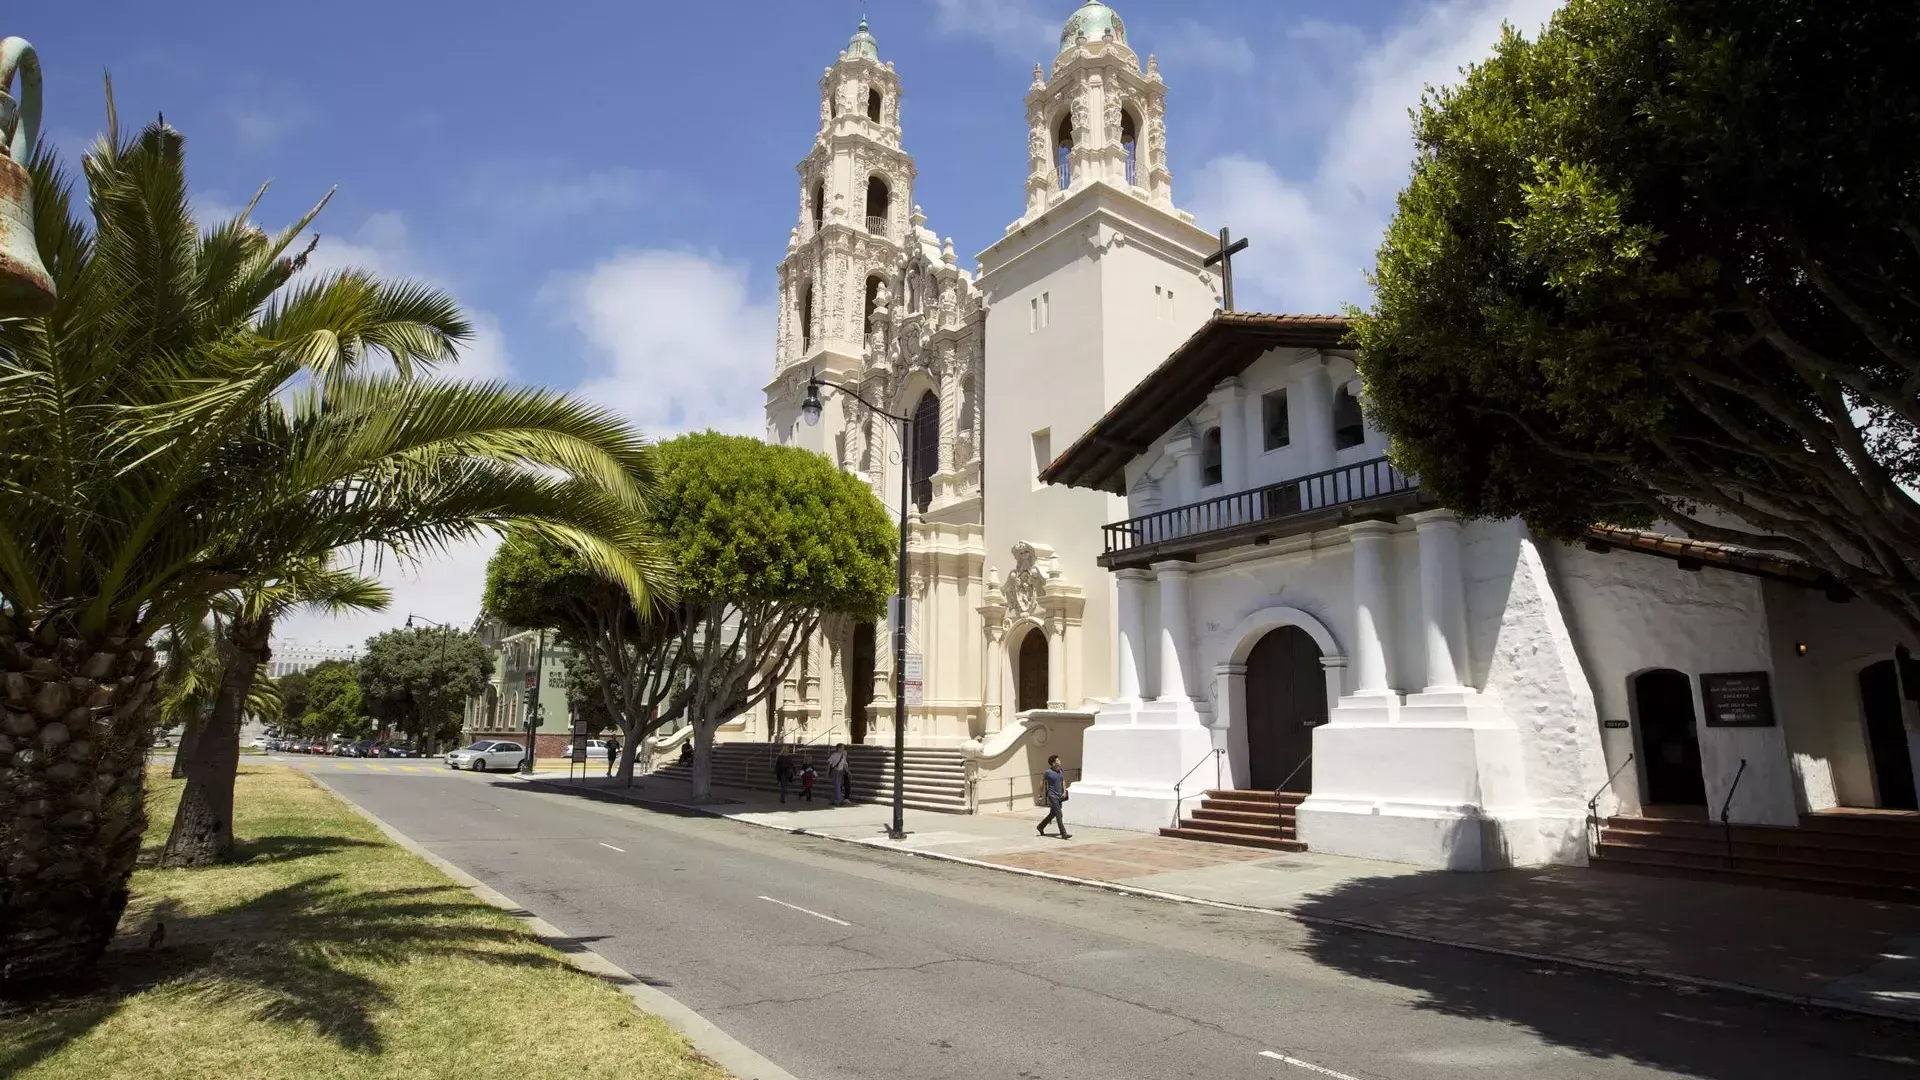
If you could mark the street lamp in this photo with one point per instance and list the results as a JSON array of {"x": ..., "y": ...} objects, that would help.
[
  {"x": 411, "y": 619},
  {"x": 810, "y": 408},
  {"x": 26, "y": 289}
]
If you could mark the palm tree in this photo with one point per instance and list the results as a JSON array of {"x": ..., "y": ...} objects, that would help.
[
  {"x": 203, "y": 823},
  {"x": 190, "y": 417}
]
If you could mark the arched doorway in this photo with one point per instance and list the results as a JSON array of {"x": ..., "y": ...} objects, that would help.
[
  {"x": 1286, "y": 699},
  {"x": 1031, "y": 671},
  {"x": 1669, "y": 738},
  {"x": 860, "y": 682},
  {"x": 1887, "y": 737}
]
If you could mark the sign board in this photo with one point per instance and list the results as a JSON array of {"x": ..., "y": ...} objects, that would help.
[
  {"x": 916, "y": 692},
  {"x": 579, "y": 729},
  {"x": 1615, "y": 724},
  {"x": 1737, "y": 699},
  {"x": 533, "y": 681}
]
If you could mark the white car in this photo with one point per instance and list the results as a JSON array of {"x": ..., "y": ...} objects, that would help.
[{"x": 487, "y": 754}]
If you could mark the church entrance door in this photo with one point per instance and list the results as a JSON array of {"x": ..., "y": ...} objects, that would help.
[
  {"x": 1887, "y": 737},
  {"x": 1286, "y": 700},
  {"x": 1669, "y": 738},
  {"x": 1030, "y": 680},
  {"x": 860, "y": 682}
]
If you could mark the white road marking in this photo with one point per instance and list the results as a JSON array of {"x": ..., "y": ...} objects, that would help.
[
  {"x": 1307, "y": 1065},
  {"x": 815, "y": 914},
  {"x": 621, "y": 850}
]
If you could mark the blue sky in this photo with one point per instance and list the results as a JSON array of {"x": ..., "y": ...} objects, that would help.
[{"x": 608, "y": 186}]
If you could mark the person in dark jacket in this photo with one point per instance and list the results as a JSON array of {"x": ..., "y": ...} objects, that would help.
[
  {"x": 1056, "y": 780},
  {"x": 613, "y": 754},
  {"x": 783, "y": 770}
]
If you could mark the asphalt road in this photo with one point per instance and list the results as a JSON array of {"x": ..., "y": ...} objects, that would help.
[{"x": 838, "y": 961}]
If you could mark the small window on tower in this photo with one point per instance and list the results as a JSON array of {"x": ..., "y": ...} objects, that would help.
[
  {"x": 1033, "y": 315},
  {"x": 806, "y": 317},
  {"x": 1042, "y": 453},
  {"x": 1063, "y": 151},
  {"x": 1210, "y": 470},
  {"x": 874, "y": 102},
  {"x": 1274, "y": 420},
  {"x": 819, "y": 204},
  {"x": 1046, "y": 310},
  {"x": 1349, "y": 427},
  {"x": 1129, "y": 141},
  {"x": 873, "y": 301}
]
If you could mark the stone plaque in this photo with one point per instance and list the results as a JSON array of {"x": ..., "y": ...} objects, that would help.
[{"x": 1737, "y": 699}]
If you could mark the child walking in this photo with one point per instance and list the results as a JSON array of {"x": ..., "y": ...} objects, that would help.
[{"x": 806, "y": 781}]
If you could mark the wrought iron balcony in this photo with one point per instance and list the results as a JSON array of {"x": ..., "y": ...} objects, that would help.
[
  {"x": 1289, "y": 508},
  {"x": 878, "y": 226}
]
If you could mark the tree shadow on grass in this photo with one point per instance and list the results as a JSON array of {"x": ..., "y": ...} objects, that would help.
[
  {"x": 305, "y": 955},
  {"x": 1632, "y": 922}
]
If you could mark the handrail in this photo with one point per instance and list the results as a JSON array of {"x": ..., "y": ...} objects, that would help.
[
  {"x": 1593, "y": 804},
  {"x": 1370, "y": 479},
  {"x": 1726, "y": 826},
  {"x": 1282, "y": 785},
  {"x": 1215, "y": 755}
]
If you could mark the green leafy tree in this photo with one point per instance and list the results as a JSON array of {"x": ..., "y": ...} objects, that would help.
[
  {"x": 1663, "y": 264},
  {"x": 623, "y": 667},
  {"x": 298, "y": 690},
  {"x": 417, "y": 680},
  {"x": 766, "y": 541},
  {"x": 335, "y": 706},
  {"x": 190, "y": 417}
]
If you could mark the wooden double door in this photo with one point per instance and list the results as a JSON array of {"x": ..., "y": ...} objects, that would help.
[{"x": 1286, "y": 693}]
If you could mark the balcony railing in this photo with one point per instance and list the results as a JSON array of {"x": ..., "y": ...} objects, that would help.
[
  {"x": 1286, "y": 508},
  {"x": 878, "y": 226}
]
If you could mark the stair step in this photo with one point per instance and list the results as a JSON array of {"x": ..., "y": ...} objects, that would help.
[
  {"x": 1652, "y": 863},
  {"x": 1239, "y": 828},
  {"x": 1752, "y": 864},
  {"x": 1825, "y": 837},
  {"x": 1771, "y": 850},
  {"x": 1272, "y": 819},
  {"x": 1272, "y": 843}
]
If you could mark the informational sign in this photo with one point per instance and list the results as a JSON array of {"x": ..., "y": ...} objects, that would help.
[
  {"x": 1737, "y": 699},
  {"x": 577, "y": 748},
  {"x": 916, "y": 692},
  {"x": 1614, "y": 724}
]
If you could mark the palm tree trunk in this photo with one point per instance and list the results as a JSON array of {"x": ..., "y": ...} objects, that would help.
[
  {"x": 189, "y": 734},
  {"x": 203, "y": 826},
  {"x": 75, "y": 729}
]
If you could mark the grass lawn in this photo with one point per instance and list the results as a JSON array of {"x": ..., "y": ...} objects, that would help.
[{"x": 326, "y": 951}]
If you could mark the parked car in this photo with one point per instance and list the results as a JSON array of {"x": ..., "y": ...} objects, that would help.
[
  {"x": 397, "y": 750},
  {"x": 363, "y": 748},
  {"x": 318, "y": 746},
  {"x": 487, "y": 754},
  {"x": 260, "y": 744}
]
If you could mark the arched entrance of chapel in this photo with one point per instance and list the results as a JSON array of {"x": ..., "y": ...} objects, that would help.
[
  {"x": 1032, "y": 665},
  {"x": 1286, "y": 698},
  {"x": 1893, "y": 780},
  {"x": 1669, "y": 734}
]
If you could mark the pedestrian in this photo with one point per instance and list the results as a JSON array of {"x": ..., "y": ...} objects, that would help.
[
  {"x": 783, "y": 769},
  {"x": 837, "y": 773},
  {"x": 806, "y": 780},
  {"x": 1056, "y": 779},
  {"x": 613, "y": 754},
  {"x": 686, "y": 752}
]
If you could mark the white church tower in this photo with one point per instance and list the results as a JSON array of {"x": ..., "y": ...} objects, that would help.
[{"x": 1096, "y": 283}]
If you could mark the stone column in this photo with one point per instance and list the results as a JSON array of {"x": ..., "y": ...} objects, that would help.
[
  {"x": 1176, "y": 632},
  {"x": 1443, "y": 606},
  {"x": 1056, "y": 662},
  {"x": 1371, "y": 597},
  {"x": 1230, "y": 686},
  {"x": 1132, "y": 586},
  {"x": 1312, "y": 416}
]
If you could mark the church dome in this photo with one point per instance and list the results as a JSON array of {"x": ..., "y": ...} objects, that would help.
[
  {"x": 1094, "y": 21},
  {"x": 863, "y": 43}
]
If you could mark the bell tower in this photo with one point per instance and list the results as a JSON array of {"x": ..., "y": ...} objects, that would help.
[{"x": 856, "y": 195}]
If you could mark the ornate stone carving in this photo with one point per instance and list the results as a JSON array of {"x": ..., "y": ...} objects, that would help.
[{"x": 1025, "y": 585}]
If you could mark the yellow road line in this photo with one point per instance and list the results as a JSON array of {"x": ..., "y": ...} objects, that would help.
[
  {"x": 378, "y": 768},
  {"x": 408, "y": 768}
]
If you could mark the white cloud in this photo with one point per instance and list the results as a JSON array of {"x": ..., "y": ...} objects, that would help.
[
  {"x": 524, "y": 195},
  {"x": 1020, "y": 29},
  {"x": 445, "y": 588},
  {"x": 1313, "y": 239},
  {"x": 679, "y": 343},
  {"x": 1191, "y": 45}
]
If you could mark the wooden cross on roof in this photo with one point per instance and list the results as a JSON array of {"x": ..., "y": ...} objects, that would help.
[{"x": 1229, "y": 247}]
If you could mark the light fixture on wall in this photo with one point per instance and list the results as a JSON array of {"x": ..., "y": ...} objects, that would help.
[{"x": 1800, "y": 648}]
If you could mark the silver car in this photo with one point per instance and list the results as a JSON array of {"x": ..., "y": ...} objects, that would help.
[{"x": 487, "y": 754}]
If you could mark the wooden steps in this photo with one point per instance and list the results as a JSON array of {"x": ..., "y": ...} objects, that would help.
[
  {"x": 1861, "y": 855},
  {"x": 1260, "y": 819}
]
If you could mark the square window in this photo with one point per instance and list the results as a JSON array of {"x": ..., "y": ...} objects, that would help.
[
  {"x": 1274, "y": 421},
  {"x": 1210, "y": 461}
]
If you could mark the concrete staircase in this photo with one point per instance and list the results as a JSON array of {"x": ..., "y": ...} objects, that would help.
[
  {"x": 1870, "y": 856},
  {"x": 1261, "y": 819},
  {"x": 935, "y": 779}
]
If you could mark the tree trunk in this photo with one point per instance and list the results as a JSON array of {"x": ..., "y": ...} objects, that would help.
[
  {"x": 203, "y": 826},
  {"x": 75, "y": 730},
  {"x": 702, "y": 760},
  {"x": 189, "y": 733}
]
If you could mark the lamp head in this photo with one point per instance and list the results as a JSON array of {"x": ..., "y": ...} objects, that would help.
[
  {"x": 409, "y": 622},
  {"x": 810, "y": 407}
]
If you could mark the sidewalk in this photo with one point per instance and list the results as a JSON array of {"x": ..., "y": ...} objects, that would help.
[{"x": 1832, "y": 951}]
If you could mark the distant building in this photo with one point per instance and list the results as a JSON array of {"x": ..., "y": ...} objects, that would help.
[
  {"x": 500, "y": 710},
  {"x": 292, "y": 656}
]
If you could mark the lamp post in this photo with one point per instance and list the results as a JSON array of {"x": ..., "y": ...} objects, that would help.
[
  {"x": 412, "y": 618},
  {"x": 810, "y": 408},
  {"x": 26, "y": 289}
]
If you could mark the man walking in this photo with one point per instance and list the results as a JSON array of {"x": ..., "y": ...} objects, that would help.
[
  {"x": 1056, "y": 779},
  {"x": 837, "y": 773},
  {"x": 613, "y": 754},
  {"x": 783, "y": 771}
]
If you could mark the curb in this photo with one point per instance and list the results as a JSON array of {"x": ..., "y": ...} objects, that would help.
[
  {"x": 726, "y": 1051},
  {"x": 1622, "y": 970}
]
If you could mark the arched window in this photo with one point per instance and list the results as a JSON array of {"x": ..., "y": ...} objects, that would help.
[
  {"x": 879, "y": 202},
  {"x": 819, "y": 204},
  {"x": 873, "y": 105},
  {"x": 806, "y": 317},
  {"x": 1063, "y": 151},
  {"x": 873, "y": 301},
  {"x": 1030, "y": 681},
  {"x": 1129, "y": 141},
  {"x": 926, "y": 449},
  {"x": 1349, "y": 429},
  {"x": 1210, "y": 473}
]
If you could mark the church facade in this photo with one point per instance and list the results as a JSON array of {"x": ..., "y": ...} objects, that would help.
[{"x": 1010, "y": 627}]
